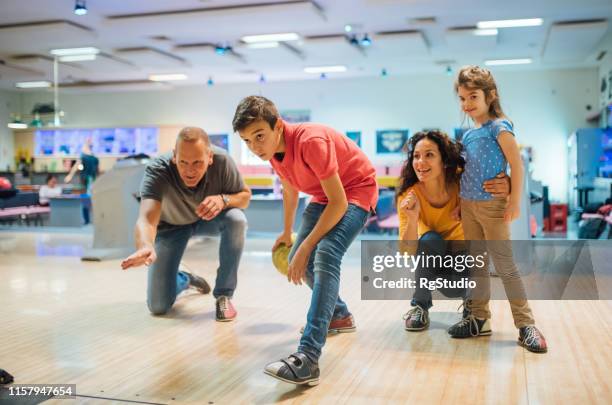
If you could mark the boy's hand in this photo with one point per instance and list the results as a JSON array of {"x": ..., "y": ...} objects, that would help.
[
  {"x": 283, "y": 238},
  {"x": 297, "y": 267}
]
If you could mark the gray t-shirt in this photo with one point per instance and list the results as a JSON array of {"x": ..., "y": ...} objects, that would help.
[{"x": 162, "y": 182}]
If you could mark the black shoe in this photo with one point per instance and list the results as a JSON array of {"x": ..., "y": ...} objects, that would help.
[
  {"x": 297, "y": 369},
  {"x": 532, "y": 339},
  {"x": 5, "y": 377},
  {"x": 416, "y": 319},
  {"x": 195, "y": 281},
  {"x": 470, "y": 327},
  {"x": 465, "y": 305}
]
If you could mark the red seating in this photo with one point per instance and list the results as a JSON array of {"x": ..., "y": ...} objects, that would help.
[{"x": 558, "y": 217}]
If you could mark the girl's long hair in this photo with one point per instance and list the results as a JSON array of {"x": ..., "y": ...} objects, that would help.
[{"x": 477, "y": 78}]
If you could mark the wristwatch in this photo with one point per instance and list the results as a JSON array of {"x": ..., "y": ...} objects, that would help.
[{"x": 226, "y": 200}]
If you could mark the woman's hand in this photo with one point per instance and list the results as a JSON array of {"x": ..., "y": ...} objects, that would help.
[{"x": 410, "y": 205}]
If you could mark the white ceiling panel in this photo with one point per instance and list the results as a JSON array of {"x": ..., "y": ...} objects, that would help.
[
  {"x": 573, "y": 41},
  {"x": 146, "y": 57},
  {"x": 40, "y": 37}
]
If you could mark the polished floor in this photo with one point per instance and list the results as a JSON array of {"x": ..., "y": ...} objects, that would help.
[{"x": 67, "y": 321}]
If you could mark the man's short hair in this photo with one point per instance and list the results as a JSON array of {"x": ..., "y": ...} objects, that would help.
[
  {"x": 192, "y": 135},
  {"x": 252, "y": 109}
]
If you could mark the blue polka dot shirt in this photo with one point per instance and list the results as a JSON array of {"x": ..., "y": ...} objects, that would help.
[{"x": 484, "y": 158}]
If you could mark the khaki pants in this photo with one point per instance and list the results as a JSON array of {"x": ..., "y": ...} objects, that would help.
[{"x": 485, "y": 229}]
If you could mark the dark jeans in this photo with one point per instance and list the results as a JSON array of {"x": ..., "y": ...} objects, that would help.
[
  {"x": 432, "y": 243},
  {"x": 323, "y": 273},
  {"x": 165, "y": 282}
]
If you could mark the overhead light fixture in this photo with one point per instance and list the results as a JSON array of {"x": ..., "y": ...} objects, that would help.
[
  {"x": 262, "y": 45},
  {"x": 527, "y": 22},
  {"x": 325, "y": 69},
  {"x": 485, "y": 32},
  {"x": 220, "y": 49},
  {"x": 323, "y": 76},
  {"x": 17, "y": 124},
  {"x": 80, "y": 7},
  {"x": 210, "y": 81},
  {"x": 383, "y": 72},
  {"x": 500, "y": 62},
  {"x": 348, "y": 28},
  {"x": 77, "y": 58},
  {"x": 90, "y": 50},
  {"x": 289, "y": 36},
  {"x": 262, "y": 79},
  {"x": 167, "y": 77},
  {"x": 33, "y": 85},
  {"x": 366, "y": 41},
  {"x": 449, "y": 70}
]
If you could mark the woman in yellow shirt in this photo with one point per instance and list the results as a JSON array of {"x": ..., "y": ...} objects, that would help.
[{"x": 428, "y": 210}]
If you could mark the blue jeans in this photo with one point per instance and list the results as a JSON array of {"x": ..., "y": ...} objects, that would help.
[
  {"x": 323, "y": 273},
  {"x": 165, "y": 282},
  {"x": 432, "y": 243}
]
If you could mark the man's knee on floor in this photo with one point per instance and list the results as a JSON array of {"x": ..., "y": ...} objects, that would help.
[{"x": 158, "y": 308}]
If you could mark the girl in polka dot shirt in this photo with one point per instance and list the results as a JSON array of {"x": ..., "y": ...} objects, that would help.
[{"x": 489, "y": 148}]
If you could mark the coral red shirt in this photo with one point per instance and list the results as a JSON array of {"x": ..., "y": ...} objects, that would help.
[{"x": 315, "y": 152}]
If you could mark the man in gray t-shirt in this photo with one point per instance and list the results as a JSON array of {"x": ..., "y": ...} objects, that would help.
[{"x": 196, "y": 189}]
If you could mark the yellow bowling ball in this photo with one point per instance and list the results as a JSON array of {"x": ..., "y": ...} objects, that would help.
[{"x": 280, "y": 257}]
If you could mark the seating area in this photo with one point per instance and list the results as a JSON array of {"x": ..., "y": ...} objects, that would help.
[{"x": 22, "y": 208}]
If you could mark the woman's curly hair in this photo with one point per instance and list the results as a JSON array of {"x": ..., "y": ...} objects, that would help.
[{"x": 450, "y": 152}]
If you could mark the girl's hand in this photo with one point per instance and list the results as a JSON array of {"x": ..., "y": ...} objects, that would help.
[{"x": 513, "y": 211}]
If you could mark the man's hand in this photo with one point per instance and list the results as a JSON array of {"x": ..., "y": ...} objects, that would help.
[
  {"x": 210, "y": 207},
  {"x": 284, "y": 238},
  {"x": 297, "y": 267},
  {"x": 143, "y": 256},
  {"x": 499, "y": 186}
]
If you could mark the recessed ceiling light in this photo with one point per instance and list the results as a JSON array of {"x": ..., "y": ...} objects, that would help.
[
  {"x": 289, "y": 36},
  {"x": 325, "y": 69},
  {"x": 75, "y": 51},
  {"x": 527, "y": 22},
  {"x": 76, "y": 58},
  {"x": 32, "y": 85},
  {"x": 500, "y": 62},
  {"x": 167, "y": 77}
]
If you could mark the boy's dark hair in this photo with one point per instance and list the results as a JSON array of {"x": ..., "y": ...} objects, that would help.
[
  {"x": 254, "y": 108},
  {"x": 49, "y": 177}
]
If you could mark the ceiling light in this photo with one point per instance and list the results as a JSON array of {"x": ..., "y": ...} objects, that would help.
[
  {"x": 528, "y": 22},
  {"x": 262, "y": 79},
  {"x": 449, "y": 70},
  {"x": 262, "y": 45},
  {"x": 80, "y": 7},
  {"x": 366, "y": 41},
  {"x": 32, "y": 85},
  {"x": 17, "y": 124},
  {"x": 167, "y": 77},
  {"x": 485, "y": 32},
  {"x": 210, "y": 81},
  {"x": 75, "y": 51},
  {"x": 499, "y": 62},
  {"x": 348, "y": 28},
  {"x": 383, "y": 72},
  {"x": 77, "y": 58},
  {"x": 323, "y": 76},
  {"x": 325, "y": 69},
  {"x": 289, "y": 36}
]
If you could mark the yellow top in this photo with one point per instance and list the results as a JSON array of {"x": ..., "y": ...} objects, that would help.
[{"x": 434, "y": 219}]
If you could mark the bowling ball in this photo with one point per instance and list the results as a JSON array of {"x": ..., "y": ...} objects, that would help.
[
  {"x": 280, "y": 257},
  {"x": 5, "y": 184}
]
